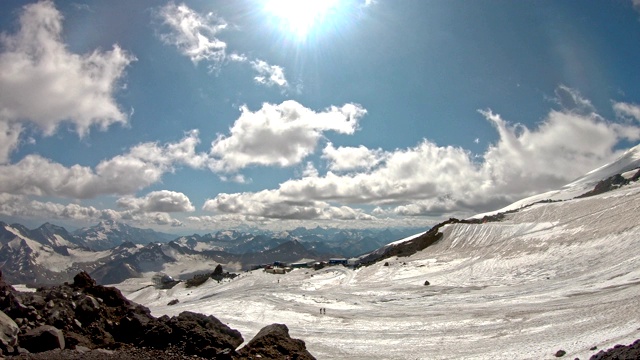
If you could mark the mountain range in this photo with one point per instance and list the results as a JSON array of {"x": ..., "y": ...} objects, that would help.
[{"x": 112, "y": 252}]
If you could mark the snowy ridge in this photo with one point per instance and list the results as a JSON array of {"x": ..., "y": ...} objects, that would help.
[{"x": 627, "y": 162}]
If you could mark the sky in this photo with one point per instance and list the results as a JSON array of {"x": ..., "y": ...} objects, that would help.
[{"x": 211, "y": 114}]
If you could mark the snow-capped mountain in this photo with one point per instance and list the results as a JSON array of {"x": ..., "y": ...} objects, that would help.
[
  {"x": 44, "y": 255},
  {"x": 544, "y": 275},
  {"x": 112, "y": 252},
  {"x": 330, "y": 241},
  {"x": 108, "y": 234}
]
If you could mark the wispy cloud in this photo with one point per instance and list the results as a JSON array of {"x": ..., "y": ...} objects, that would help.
[
  {"x": 269, "y": 75},
  {"x": 194, "y": 35},
  {"x": 627, "y": 110}
]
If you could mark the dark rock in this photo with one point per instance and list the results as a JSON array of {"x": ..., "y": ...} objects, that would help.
[
  {"x": 594, "y": 348},
  {"x": 89, "y": 316},
  {"x": 427, "y": 282},
  {"x": 274, "y": 342},
  {"x": 8, "y": 333},
  {"x": 42, "y": 338},
  {"x": 620, "y": 352},
  {"x": 173, "y": 302},
  {"x": 83, "y": 280},
  {"x": 133, "y": 327},
  {"x": 73, "y": 340},
  {"x": 88, "y": 309},
  {"x": 202, "y": 335},
  {"x": 217, "y": 271},
  {"x": 386, "y": 264},
  {"x": 560, "y": 353}
]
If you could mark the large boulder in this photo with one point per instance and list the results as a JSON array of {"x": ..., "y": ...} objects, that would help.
[
  {"x": 83, "y": 280},
  {"x": 274, "y": 342},
  {"x": 42, "y": 338},
  {"x": 198, "y": 334},
  {"x": 218, "y": 271},
  {"x": 8, "y": 333}
]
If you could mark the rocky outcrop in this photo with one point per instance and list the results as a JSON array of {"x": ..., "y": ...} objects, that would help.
[
  {"x": 608, "y": 184},
  {"x": 85, "y": 317},
  {"x": 274, "y": 342},
  {"x": 620, "y": 352},
  {"x": 8, "y": 333}
]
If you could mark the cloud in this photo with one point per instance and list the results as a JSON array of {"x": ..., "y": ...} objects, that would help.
[
  {"x": 352, "y": 158},
  {"x": 432, "y": 180},
  {"x": 571, "y": 100},
  {"x": 241, "y": 58},
  {"x": 161, "y": 219},
  {"x": 42, "y": 82},
  {"x": 268, "y": 204},
  {"x": 627, "y": 110},
  {"x": 124, "y": 174},
  {"x": 22, "y": 206},
  {"x": 636, "y": 4},
  {"x": 193, "y": 34},
  {"x": 269, "y": 75},
  {"x": 565, "y": 145},
  {"x": 158, "y": 201},
  {"x": 9, "y": 138},
  {"x": 280, "y": 135},
  {"x": 309, "y": 170}
]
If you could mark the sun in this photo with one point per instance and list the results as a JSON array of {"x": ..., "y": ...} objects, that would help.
[{"x": 299, "y": 17}]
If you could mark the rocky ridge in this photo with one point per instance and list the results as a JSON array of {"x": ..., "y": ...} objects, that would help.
[{"x": 90, "y": 321}]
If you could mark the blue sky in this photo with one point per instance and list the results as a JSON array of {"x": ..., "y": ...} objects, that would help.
[{"x": 203, "y": 115}]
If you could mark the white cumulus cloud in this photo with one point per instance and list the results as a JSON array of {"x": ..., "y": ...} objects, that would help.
[
  {"x": 346, "y": 158},
  {"x": 42, "y": 82},
  {"x": 124, "y": 174},
  {"x": 280, "y": 135},
  {"x": 158, "y": 201},
  {"x": 269, "y": 204},
  {"x": 432, "y": 180}
]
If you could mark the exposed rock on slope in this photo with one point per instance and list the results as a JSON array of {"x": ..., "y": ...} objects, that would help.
[
  {"x": 274, "y": 342},
  {"x": 620, "y": 352}
]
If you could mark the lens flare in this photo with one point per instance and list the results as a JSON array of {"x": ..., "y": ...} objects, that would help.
[{"x": 300, "y": 17}]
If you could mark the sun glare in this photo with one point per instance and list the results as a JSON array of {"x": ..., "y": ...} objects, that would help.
[{"x": 299, "y": 17}]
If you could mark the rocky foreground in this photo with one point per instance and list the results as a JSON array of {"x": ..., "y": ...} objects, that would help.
[{"x": 88, "y": 321}]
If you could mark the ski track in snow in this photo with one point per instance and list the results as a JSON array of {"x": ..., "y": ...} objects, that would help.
[{"x": 553, "y": 276}]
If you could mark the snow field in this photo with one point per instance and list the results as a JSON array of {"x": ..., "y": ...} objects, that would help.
[{"x": 553, "y": 276}]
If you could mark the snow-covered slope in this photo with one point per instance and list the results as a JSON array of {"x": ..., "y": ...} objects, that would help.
[
  {"x": 561, "y": 275},
  {"x": 630, "y": 160}
]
